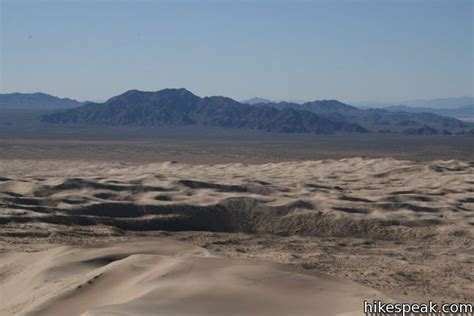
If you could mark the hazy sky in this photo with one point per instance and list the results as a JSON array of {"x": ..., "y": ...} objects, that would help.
[{"x": 301, "y": 50}]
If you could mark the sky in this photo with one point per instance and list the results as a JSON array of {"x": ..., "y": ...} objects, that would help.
[{"x": 282, "y": 50}]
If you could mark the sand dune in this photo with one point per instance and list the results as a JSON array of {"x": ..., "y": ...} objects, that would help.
[
  {"x": 401, "y": 227},
  {"x": 384, "y": 198},
  {"x": 164, "y": 277}
]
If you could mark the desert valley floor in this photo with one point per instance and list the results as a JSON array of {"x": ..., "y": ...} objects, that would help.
[{"x": 307, "y": 237}]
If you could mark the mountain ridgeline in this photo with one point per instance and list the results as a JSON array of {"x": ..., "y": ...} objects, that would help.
[
  {"x": 35, "y": 101},
  {"x": 380, "y": 120},
  {"x": 179, "y": 107}
]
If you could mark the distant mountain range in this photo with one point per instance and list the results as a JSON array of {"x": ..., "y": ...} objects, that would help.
[
  {"x": 442, "y": 103},
  {"x": 377, "y": 120},
  {"x": 35, "y": 101},
  {"x": 256, "y": 100},
  {"x": 465, "y": 112},
  {"x": 178, "y": 107},
  {"x": 461, "y": 108}
]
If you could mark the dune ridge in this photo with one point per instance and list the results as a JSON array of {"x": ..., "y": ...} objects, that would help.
[{"x": 165, "y": 277}]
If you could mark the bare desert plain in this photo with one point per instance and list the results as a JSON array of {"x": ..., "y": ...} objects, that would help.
[{"x": 190, "y": 227}]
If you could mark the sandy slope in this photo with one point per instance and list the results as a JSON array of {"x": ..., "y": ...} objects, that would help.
[
  {"x": 401, "y": 227},
  {"x": 164, "y": 277}
]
